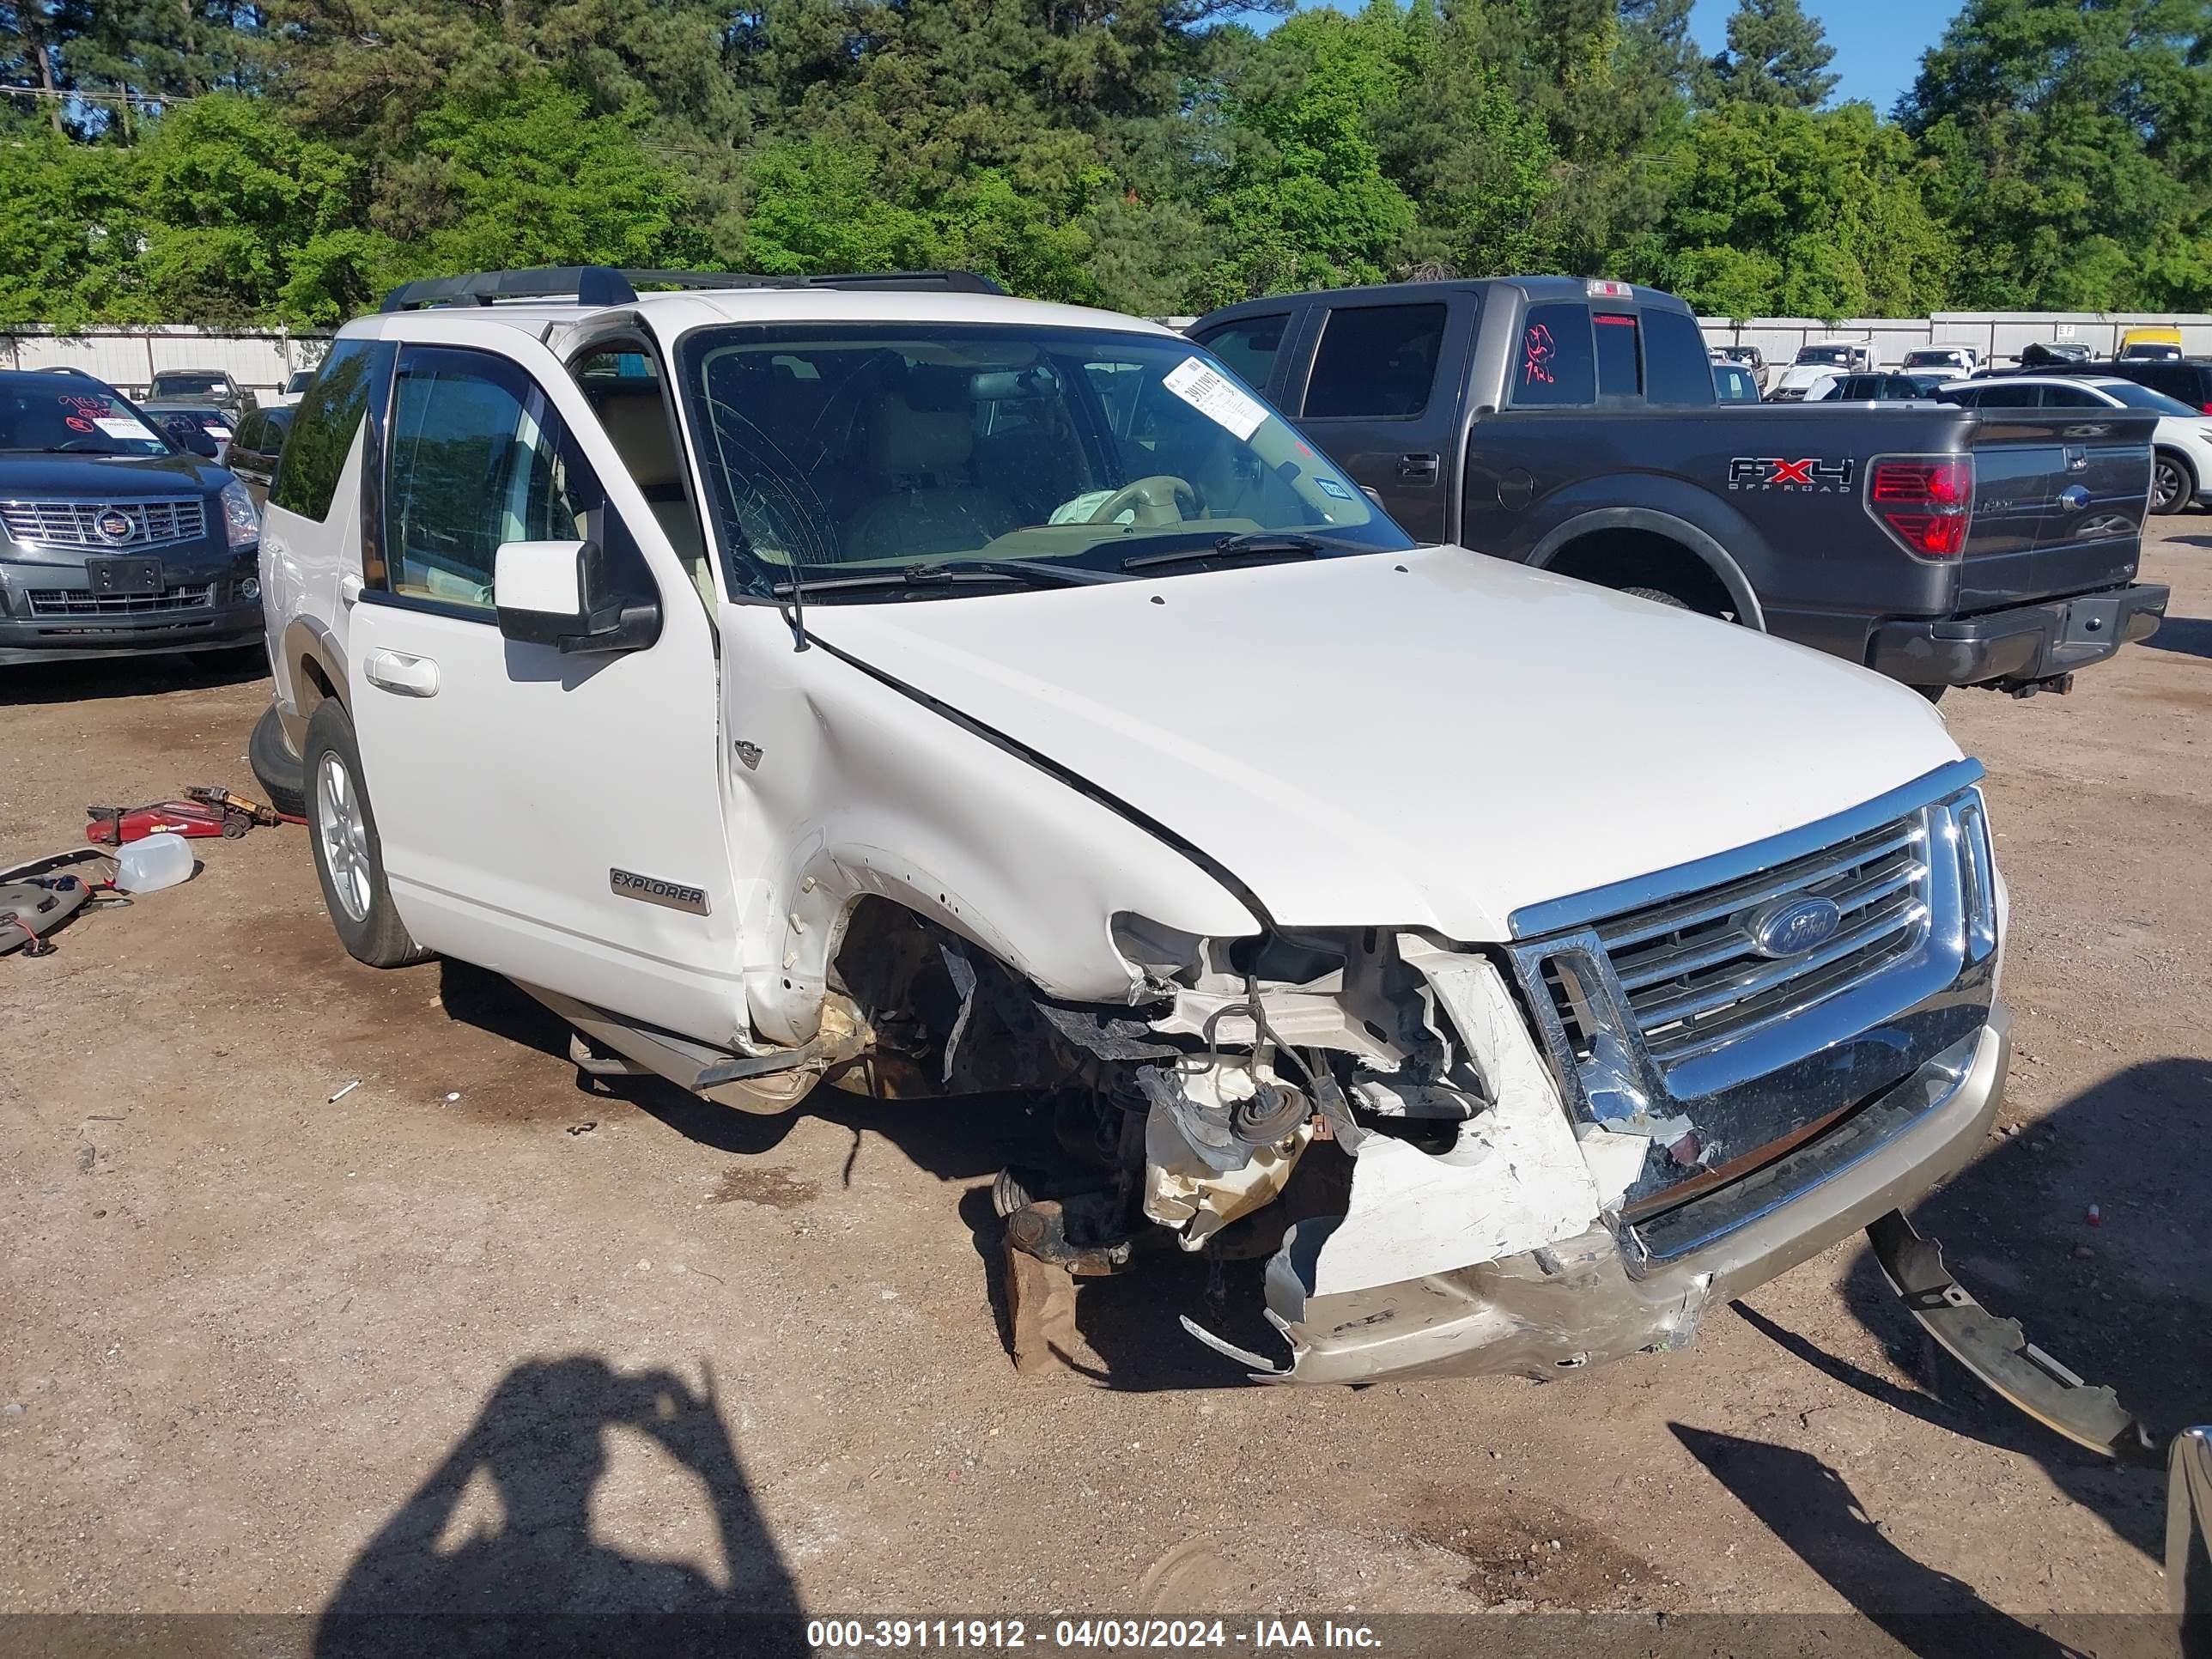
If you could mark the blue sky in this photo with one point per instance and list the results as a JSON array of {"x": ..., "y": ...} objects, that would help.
[{"x": 1878, "y": 42}]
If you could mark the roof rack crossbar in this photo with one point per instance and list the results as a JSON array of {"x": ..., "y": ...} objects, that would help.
[{"x": 604, "y": 285}]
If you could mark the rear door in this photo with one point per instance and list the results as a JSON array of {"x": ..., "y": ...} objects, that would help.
[{"x": 1381, "y": 394}]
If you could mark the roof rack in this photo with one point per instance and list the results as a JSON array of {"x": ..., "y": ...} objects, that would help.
[{"x": 603, "y": 285}]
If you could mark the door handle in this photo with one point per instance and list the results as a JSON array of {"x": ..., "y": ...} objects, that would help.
[
  {"x": 349, "y": 587},
  {"x": 395, "y": 670},
  {"x": 1418, "y": 469}
]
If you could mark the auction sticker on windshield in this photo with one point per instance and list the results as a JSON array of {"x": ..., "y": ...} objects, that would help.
[
  {"x": 122, "y": 427},
  {"x": 1214, "y": 397}
]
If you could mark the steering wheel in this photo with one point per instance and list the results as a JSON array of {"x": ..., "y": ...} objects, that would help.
[{"x": 1159, "y": 499}]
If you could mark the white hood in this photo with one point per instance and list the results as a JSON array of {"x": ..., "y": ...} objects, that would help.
[{"x": 1428, "y": 739}]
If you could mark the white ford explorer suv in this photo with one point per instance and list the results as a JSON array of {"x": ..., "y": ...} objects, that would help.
[{"x": 884, "y": 683}]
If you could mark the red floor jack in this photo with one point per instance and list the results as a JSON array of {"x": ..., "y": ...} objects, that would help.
[{"x": 202, "y": 813}]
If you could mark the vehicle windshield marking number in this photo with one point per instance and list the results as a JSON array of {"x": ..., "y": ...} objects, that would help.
[
  {"x": 675, "y": 894},
  {"x": 1215, "y": 398},
  {"x": 122, "y": 427}
]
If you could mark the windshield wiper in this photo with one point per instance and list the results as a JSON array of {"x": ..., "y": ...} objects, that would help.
[
  {"x": 1036, "y": 573},
  {"x": 1252, "y": 544}
]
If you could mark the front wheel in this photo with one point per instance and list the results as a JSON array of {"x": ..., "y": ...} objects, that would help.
[
  {"x": 349, "y": 857},
  {"x": 2171, "y": 484}
]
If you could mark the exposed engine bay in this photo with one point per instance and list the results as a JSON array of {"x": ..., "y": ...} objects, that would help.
[{"x": 1366, "y": 1108}]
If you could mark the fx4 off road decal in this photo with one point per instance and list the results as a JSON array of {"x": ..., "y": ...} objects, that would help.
[{"x": 1811, "y": 476}]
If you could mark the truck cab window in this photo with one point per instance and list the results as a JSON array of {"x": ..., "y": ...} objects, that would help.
[
  {"x": 1250, "y": 346},
  {"x": 1376, "y": 362},
  {"x": 1620, "y": 362},
  {"x": 1555, "y": 362},
  {"x": 1676, "y": 369}
]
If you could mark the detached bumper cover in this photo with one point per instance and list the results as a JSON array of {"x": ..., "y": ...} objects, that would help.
[
  {"x": 1580, "y": 1302},
  {"x": 2026, "y": 643}
]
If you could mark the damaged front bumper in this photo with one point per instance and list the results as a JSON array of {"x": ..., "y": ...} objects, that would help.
[{"x": 1585, "y": 1300}]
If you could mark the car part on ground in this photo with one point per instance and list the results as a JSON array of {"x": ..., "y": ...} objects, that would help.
[
  {"x": 1997, "y": 1351},
  {"x": 40, "y": 894}
]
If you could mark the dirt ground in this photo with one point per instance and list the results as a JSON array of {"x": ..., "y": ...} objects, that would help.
[{"x": 475, "y": 1335}]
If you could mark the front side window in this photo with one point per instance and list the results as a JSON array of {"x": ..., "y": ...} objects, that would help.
[
  {"x": 2072, "y": 397},
  {"x": 351, "y": 383},
  {"x": 1376, "y": 362},
  {"x": 475, "y": 457},
  {"x": 66, "y": 415},
  {"x": 838, "y": 450},
  {"x": 1250, "y": 346},
  {"x": 1555, "y": 363},
  {"x": 1999, "y": 395}
]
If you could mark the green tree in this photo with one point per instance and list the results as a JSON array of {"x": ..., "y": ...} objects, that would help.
[
  {"x": 1775, "y": 55},
  {"x": 70, "y": 230},
  {"x": 1801, "y": 213},
  {"x": 229, "y": 193},
  {"x": 2073, "y": 146}
]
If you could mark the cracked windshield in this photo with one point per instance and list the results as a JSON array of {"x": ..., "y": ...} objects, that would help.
[{"x": 887, "y": 462}]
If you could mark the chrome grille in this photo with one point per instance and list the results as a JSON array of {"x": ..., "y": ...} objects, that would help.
[
  {"x": 75, "y": 524},
  {"x": 1693, "y": 979},
  {"x": 77, "y": 602}
]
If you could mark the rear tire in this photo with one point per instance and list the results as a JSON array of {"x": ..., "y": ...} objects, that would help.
[
  {"x": 349, "y": 856},
  {"x": 2172, "y": 482},
  {"x": 281, "y": 773},
  {"x": 1659, "y": 596}
]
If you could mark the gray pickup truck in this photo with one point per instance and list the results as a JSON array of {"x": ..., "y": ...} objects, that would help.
[{"x": 1572, "y": 425}]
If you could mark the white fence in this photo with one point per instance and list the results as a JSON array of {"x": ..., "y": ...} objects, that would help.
[
  {"x": 1997, "y": 335},
  {"x": 127, "y": 358}
]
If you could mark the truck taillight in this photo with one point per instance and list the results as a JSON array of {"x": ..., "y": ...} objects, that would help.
[{"x": 1925, "y": 502}]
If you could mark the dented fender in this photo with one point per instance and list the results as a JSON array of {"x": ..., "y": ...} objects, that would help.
[{"x": 846, "y": 767}]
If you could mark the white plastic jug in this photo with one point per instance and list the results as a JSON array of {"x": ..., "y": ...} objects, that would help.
[{"x": 149, "y": 865}]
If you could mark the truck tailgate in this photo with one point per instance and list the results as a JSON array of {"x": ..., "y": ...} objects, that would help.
[{"x": 2059, "y": 501}]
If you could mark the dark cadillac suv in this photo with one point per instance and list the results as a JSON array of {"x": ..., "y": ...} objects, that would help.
[{"x": 115, "y": 538}]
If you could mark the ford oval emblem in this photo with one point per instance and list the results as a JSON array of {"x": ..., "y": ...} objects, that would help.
[
  {"x": 1791, "y": 926},
  {"x": 114, "y": 524}
]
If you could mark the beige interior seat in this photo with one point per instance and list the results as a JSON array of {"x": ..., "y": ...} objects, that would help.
[
  {"x": 927, "y": 501},
  {"x": 638, "y": 424}
]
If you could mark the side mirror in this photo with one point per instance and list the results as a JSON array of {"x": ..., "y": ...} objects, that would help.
[
  {"x": 193, "y": 437},
  {"x": 556, "y": 593}
]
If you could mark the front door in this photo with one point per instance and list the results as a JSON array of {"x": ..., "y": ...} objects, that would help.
[
  {"x": 554, "y": 817},
  {"x": 1371, "y": 399}
]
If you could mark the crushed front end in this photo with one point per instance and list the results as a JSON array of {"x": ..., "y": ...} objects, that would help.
[{"x": 1539, "y": 1155}]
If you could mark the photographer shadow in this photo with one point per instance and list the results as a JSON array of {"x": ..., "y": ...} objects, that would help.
[{"x": 444, "y": 1575}]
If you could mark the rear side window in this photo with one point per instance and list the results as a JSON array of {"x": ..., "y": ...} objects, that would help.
[
  {"x": 1555, "y": 363},
  {"x": 2072, "y": 397},
  {"x": 1676, "y": 369},
  {"x": 1376, "y": 362},
  {"x": 2010, "y": 397},
  {"x": 1250, "y": 346},
  {"x": 351, "y": 383}
]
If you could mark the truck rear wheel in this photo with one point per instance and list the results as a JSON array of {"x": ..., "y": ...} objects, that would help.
[{"x": 349, "y": 856}]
